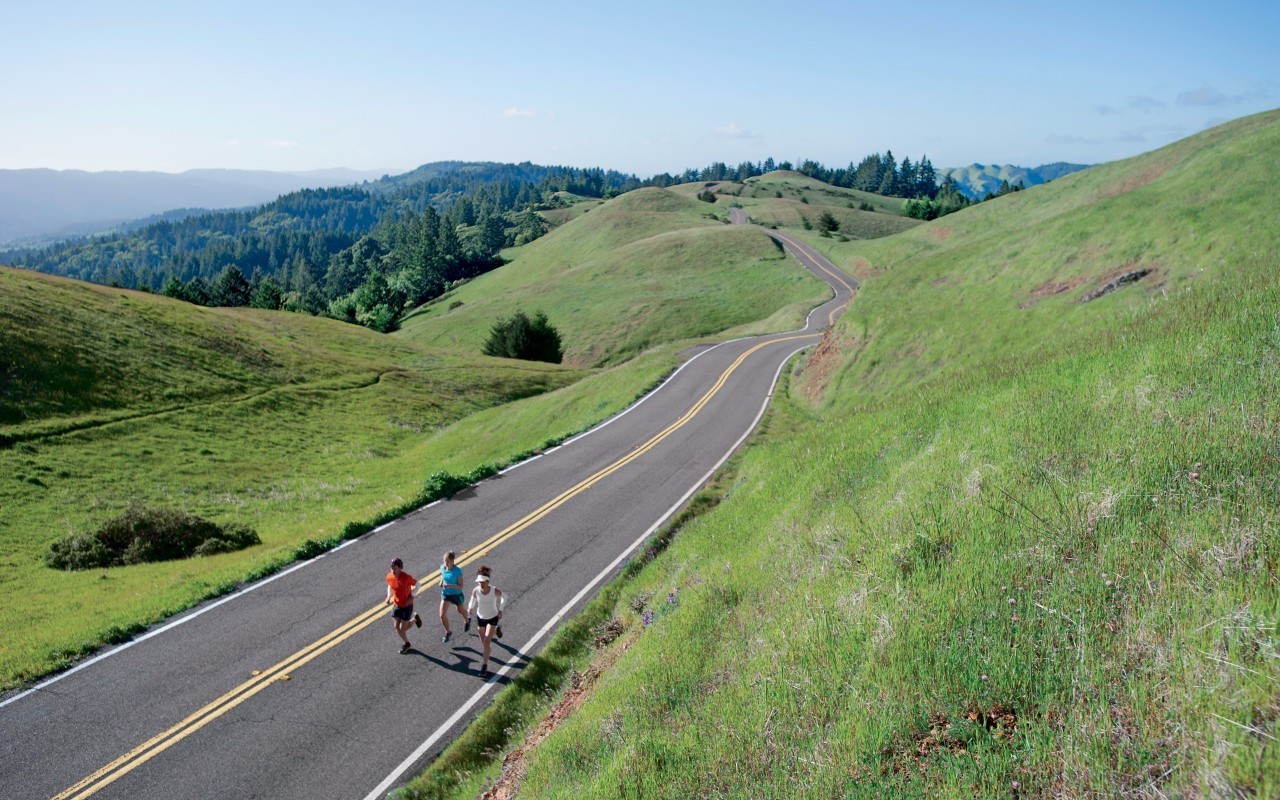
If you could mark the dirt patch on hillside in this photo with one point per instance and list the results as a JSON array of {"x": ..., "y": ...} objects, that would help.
[
  {"x": 1000, "y": 721},
  {"x": 1135, "y": 180},
  {"x": 862, "y": 269},
  {"x": 1049, "y": 290},
  {"x": 1122, "y": 277},
  {"x": 513, "y": 765},
  {"x": 824, "y": 361},
  {"x": 941, "y": 234}
]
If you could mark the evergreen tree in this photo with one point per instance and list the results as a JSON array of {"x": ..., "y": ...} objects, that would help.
[
  {"x": 197, "y": 291},
  {"x": 888, "y": 175},
  {"x": 231, "y": 288},
  {"x": 174, "y": 288},
  {"x": 906, "y": 183},
  {"x": 926, "y": 179},
  {"x": 266, "y": 294}
]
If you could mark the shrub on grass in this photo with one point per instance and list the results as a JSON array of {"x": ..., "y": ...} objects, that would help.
[
  {"x": 142, "y": 535},
  {"x": 519, "y": 336}
]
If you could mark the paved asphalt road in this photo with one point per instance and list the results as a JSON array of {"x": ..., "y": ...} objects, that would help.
[{"x": 294, "y": 688}]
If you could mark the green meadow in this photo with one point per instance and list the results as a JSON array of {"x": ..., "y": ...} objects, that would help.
[{"x": 993, "y": 541}]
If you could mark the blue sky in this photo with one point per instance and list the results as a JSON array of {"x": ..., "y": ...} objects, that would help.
[{"x": 639, "y": 87}]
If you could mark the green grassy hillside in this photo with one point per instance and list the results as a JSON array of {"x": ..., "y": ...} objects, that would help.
[
  {"x": 290, "y": 424},
  {"x": 995, "y": 542},
  {"x": 645, "y": 268}
]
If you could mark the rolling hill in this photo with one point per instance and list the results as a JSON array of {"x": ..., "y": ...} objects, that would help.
[{"x": 646, "y": 268}]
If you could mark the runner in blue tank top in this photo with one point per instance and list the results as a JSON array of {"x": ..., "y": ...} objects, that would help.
[{"x": 451, "y": 594}]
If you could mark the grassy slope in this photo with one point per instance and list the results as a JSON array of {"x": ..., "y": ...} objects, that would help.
[
  {"x": 1055, "y": 577},
  {"x": 290, "y": 424},
  {"x": 643, "y": 269}
]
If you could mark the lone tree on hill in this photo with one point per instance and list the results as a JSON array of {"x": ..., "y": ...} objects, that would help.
[
  {"x": 518, "y": 336},
  {"x": 828, "y": 222}
]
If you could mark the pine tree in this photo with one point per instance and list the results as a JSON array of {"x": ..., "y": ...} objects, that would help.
[
  {"x": 174, "y": 288},
  {"x": 888, "y": 175},
  {"x": 231, "y": 288},
  {"x": 266, "y": 294},
  {"x": 926, "y": 179}
]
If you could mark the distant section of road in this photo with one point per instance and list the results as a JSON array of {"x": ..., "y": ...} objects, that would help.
[{"x": 295, "y": 688}]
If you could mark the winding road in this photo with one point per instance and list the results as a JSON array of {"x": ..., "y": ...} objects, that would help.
[{"x": 294, "y": 686}]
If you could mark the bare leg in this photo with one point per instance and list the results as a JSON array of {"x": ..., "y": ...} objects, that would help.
[{"x": 486, "y": 633}]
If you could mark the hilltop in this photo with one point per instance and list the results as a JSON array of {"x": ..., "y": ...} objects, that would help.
[{"x": 648, "y": 267}]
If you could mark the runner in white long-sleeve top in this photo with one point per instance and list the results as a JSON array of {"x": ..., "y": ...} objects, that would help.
[{"x": 486, "y": 609}]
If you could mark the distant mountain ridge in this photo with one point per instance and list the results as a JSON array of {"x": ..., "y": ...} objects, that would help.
[
  {"x": 977, "y": 180},
  {"x": 42, "y": 204}
]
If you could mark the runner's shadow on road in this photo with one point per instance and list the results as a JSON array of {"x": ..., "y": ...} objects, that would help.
[{"x": 468, "y": 665}]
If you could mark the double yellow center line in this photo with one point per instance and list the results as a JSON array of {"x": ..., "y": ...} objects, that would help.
[
  {"x": 163, "y": 741},
  {"x": 836, "y": 275}
]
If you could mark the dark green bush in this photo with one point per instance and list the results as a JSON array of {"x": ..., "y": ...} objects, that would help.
[
  {"x": 142, "y": 535},
  {"x": 519, "y": 336}
]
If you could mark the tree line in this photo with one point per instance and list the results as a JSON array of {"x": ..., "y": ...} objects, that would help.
[
  {"x": 358, "y": 253},
  {"x": 876, "y": 173}
]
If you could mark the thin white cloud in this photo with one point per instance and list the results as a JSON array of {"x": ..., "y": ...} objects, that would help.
[
  {"x": 517, "y": 113},
  {"x": 282, "y": 144},
  {"x": 1062, "y": 138},
  {"x": 1204, "y": 96},
  {"x": 734, "y": 131},
  {"x": 1145, "y": 103}
]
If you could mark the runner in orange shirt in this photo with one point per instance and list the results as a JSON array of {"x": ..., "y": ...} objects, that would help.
[{"x": 400, "y": 595}]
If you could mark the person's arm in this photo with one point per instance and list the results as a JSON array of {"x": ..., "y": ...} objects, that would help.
[
  {"x": 472, "y": 605},
  {"x": 502, "y": 601},
  {"x": 388, "y": 600}
]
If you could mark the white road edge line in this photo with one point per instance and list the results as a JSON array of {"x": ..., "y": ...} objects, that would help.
[
  {"x": 171, "y": 625},
  {"x": 439, "y": 732}
]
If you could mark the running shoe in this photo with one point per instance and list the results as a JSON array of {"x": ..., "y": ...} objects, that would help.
[
  {"x": 498, "y": 633},
  {"x": 467, "y": 627},
  {"x": 417, "y": 620},
  {"x": 405, "y": 648},
  {"x": 447, "y": 636}
]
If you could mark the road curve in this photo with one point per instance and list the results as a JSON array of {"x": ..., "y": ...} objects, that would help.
[{"x": 294, "y": 687}]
